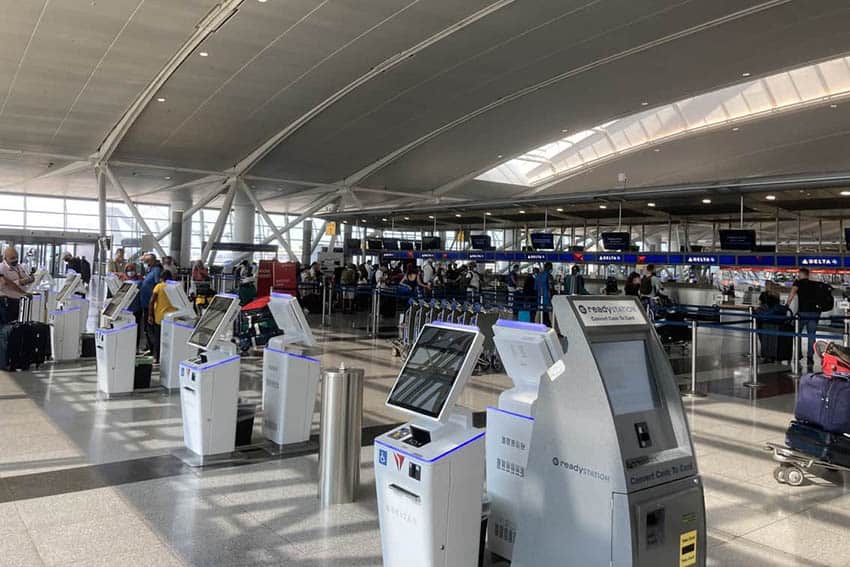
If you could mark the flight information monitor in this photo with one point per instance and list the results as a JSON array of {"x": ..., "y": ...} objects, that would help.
[
  {"x": 431, "y": 371},
  {"x": 625, "y": 372},
  {"x": 211, "y": 323},
  {"x": 118, "y": 301},
  {"x": 542, "y": 241},
  {"x": 480, "y": 241},
  {"x": 431, "y": 243}
]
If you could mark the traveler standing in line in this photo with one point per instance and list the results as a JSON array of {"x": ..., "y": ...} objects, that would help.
[
  {"x": 513, "y": 287},
  {"x": 473, "y": 282},
  {"x": 12, "y": 287},
  {"x": 73, "y": 263},
  {"x": 427, "y": 275},
  {"x": 632, "y": 286},
  {"x": 118, "y": 263},
  {"x": 544, "y": 285},
  {"x": 650, "y": 284},
  {"x": 158, "y": 308},
  {"x": 576, "y": 282},
  {"x": 169, "y": 267},
  {"x": 806, "y": 292},
  {"x": 149, "y": 282}
]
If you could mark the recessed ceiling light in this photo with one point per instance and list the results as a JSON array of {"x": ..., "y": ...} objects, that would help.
[
  {"x": 746, "y": 74},
  {"x": 406, "y": 218},
  {"x": 656, "y": 149},
  {"x": 522, "y": 212},
  {"x": 644, "y": 103},
  {"x": 458, "y": 215},
  {"x": 489, "y": 214},
  {"x": 262, "y": 1},
  {"x": 564, "y": 131},
  {"x": 204, "y": 54},
  {"x": 362, "y": 220},
  {"x": 845, "y": 193},
  {"x": 500, "y": 156},
  {"x": 771, "y": 197},
  {"x": 384, "y": 219},
  {"x": 650, "y": 204},
  {"x": 168, "y": 178},
  {"x": 560, "y": 209},
  {"x": 431, "y": 217},
  {"x": 833, "y": 105},
  {"x": 603, "y": 206},
  {"x": 735, "y": 129},
  {"x": 160, "y": 99},
  {"x": 706, "y": 201}
]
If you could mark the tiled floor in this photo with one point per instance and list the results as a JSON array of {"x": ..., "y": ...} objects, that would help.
[{"x": 85, "y": 481}]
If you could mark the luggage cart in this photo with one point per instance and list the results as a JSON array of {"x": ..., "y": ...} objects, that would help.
[{"x": 795, "y": 466}]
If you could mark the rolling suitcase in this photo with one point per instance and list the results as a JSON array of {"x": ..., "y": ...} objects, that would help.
[
  {"x": 19, "y": 346},
  {"x": 824, "y": 402},
  {"x": 831, "y": 447}
]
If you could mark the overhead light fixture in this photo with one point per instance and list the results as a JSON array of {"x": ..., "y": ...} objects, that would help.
[
  {"x": 489, "y": 214},
  {"x": 431, "y": 217},
  {"x": 746, "y": 74},
  {"x": 500, "y": 156},
  {"x": 650, "y": 204},
  {"x": 160, "y": 99},
  {"x": 362, "y": 220},
  {"x": 168, "y": 178},
  {"x": 262, "y": 1},
  {"x": 735, "y": 129},
  {"x": 845, "y": 193},
  {"x": 771, "y": 197},
  {"x": 384, "y": 219},
  {"x": 564, "y": 131},
  {"x": 560, "y": 209},
  {"x": 522, "y": 212},
  {"x": 706, "y": 201},
  {"x": 644, "y": 103},
  {"x": 458, "y": 215},
  {"x": 204, "y": 54},
  {"x": 833, "y": 105},
  {"x": 406, "y": 218},
  {"x": 603, "y": 206}
]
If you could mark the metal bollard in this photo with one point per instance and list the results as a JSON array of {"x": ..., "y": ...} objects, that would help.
[
  {"x": 754, "y": 354},
  {"x": 693, "y": 393},
  {"x": 795, "y": 347},
  {"x": 847, "y": 332},
  {"x": 340, "y": 435}
]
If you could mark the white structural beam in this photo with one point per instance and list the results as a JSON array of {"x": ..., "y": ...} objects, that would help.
[
  {"x": 214, "y": 20},
  {"x": 268, "y": 220},
  {"x": 187, "y": 185},
  {"x": 199, "y": 204},
  {"x": 69, "y": 169},
  {"x": 218, "y": 227},
  {"x": 133, "y": 209},
  {"x": 399, "y": 58},
  {"x": 383, "y": 162}
]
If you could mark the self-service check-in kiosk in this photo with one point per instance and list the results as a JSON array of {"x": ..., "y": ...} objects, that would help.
[
  {"x": 612, "y": 478},
  {"x": 67, "y": 320},
  {"x": 209, "y": 382},
  {"x": 429, "y": 473},
  {"x": 290, "y": 377},
  {"x": 115, "y": 343},
  {"x": 526, "y": 350},
  {"x": 177, "y": 327},
  {"x": 41, "y": 296}
]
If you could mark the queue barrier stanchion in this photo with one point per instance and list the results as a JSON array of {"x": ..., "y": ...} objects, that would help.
[
  {"x": 754, "y": 351},
  {"x": 847, "y": 332},
  {"x": 692, "y": 391},
  {"x": 795, "y": 347},
  {"x": 340, "y": 435}
]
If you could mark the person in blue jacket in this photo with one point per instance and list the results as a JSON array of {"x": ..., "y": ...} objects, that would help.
[
  {"x": 543, "y": 285},
  {"x": 150, "y": 280}
]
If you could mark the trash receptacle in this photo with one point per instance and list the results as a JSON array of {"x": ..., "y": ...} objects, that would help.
[
  {"x": 245, "y": 414},
  {"x": 143, "y": 371},
  {"x": 340, "y": 435}
]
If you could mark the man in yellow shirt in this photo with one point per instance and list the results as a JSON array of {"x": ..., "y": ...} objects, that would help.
[{"x": 158, "y": 308}]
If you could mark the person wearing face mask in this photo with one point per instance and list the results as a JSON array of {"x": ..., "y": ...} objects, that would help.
[{"x": 12, "y": 286}]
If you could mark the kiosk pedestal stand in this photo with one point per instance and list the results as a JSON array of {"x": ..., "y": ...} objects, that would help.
[
  {"x": 290, "y": 378},
  {"x": 612, "y": 477},
  {"x": 177, "y": 327},
  {"x": 67, "y": 321},
  {"x": 115, "y": 344},
  {"x": 429, "y": 472},
  {"x": 526, "y": 350},
  {"x": 209, "y": 384}
]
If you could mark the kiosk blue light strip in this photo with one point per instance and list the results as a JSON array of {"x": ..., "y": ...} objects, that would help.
[
  {"x": 178, "y": 324},
  {"x": 61, "y": 311},
  {"x": 115, "y": 330},
  {"x": 208, "y": 365},
  {"x": 292, "y": 354},
  {"x": 512, "y": 413},
  {"x": 421, "y": 459},
  {"x": 453, "y": 325},
  {"x": 511, "y": 324},
  {"x": 281, "y": 295}
]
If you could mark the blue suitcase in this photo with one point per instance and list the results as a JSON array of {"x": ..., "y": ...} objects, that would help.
[
  {"x": 830, "y": 447},
  {"x": 824, "y": 402}
]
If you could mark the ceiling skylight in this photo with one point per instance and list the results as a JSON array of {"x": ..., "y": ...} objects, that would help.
[{"x": 744, "y": 101}]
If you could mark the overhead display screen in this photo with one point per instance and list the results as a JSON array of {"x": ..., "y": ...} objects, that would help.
[
  {"x": 407, "y": 245},
  {"x": 431, "y": 243},
  {"x": 625, "y": 372},
  {"x": 737, "y": 239},
  {"x": 207, "y": 328},
  {"x": 542, "y": 241},
  {"x": 480, "y": 241},
  {"x": 616, "y": 240},
  {"x": 428, "y": 376},
  {"x": 374, "y": 244}
]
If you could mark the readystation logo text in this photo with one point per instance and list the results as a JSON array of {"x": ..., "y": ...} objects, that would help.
[{"x": 581, "y": 470}]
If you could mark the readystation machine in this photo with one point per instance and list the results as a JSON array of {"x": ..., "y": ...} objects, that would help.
[
  {"x": 611, "y": 478},
  {"x": 115, "y": 343},
  {"x": 41, "y": 296},
  {"x": 68, "y": 320},
  {"x": 429, "y": 473},
  {"x": 290, "y": 378},
  {"x": 526, "y": 350},
  {"x": 209, "y": 383},
  {"x": 177, "y": 327}
]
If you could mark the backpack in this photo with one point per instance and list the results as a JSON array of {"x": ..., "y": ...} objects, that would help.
[
  {"x": 825, "y": 300},
  {"x": 646, "y": 285}
]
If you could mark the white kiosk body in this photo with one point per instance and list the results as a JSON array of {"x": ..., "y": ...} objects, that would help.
[
  {"x": 209, "y": 383},
  {"x": 67, "y": 321},
  {"x": 177, "y": 327},
  {"x": 527, "y": 350},
  {"x": 429, "y": 472},
  {"x": 115, "y": 343},
  {"x": 612, "y": 478},
  {"x": 290, "y": 377}
]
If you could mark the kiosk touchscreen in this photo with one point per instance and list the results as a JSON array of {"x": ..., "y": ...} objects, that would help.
[
  {"x": 41, "y": 296},
  {"x": 115, "y": 343},
  {"x": 429, "y": 472},
  {"x": 290, "y": 377},
  {"x": 526, "y": 350},
  {"x": 611, "y": 478},
  {"x": 176, "y": 329},
  {"x": 67, "y": 320},
  {"x": 209, "y": 382}
]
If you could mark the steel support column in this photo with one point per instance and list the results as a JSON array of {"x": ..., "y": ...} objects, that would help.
[
  {"x": 268, "y": 220},
  {"x": 218, "y": 227},
  {"x": 133, "y": 209}
]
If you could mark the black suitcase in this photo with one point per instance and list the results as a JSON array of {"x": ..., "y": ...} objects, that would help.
[
  {"x": 812, "y": 440},
  {"x": 18, "y": 348},
  {"x": 88, "y": 349},
  {"x": 673, "y": 333},
  {"x": 40, "y": 351}
]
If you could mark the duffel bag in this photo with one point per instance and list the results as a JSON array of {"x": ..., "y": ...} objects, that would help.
[{"x": 824, "y": 402}]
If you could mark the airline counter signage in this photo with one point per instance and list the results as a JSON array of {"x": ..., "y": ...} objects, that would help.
[
  {"x": 786, "y": 261},
  {"x": 652, "y": 259},
  {"x": 609, "y": 258},
  {"x": 477, "y": 256},
  {"x": 701, "y": 259},
  {"x": 756, "y": 260},
  {"x": 820, "y": 261}
]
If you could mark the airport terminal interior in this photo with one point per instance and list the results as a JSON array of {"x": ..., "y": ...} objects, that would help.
[{"x": 425, "y": 283}]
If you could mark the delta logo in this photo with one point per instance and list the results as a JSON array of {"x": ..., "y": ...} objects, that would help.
[{"x": 399, "y": 460}]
